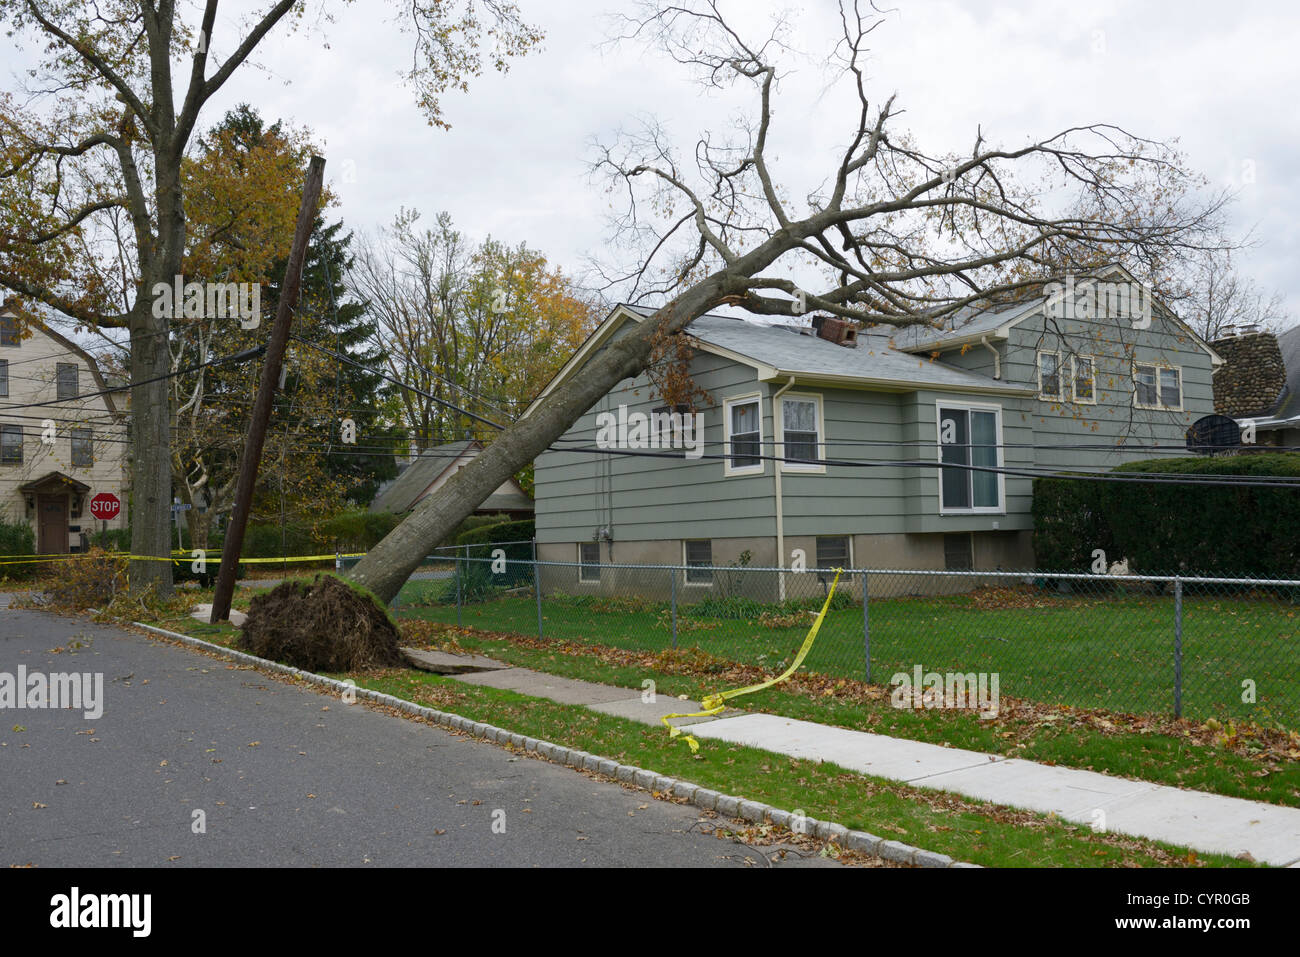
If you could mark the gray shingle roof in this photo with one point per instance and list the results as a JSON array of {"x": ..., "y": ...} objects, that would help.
[
  {"x": 874, "y": 361},
  {"x": 416, "y": 477},
  {"x": 1289, "y": 343},
  {"x": 968, "y": 321}
]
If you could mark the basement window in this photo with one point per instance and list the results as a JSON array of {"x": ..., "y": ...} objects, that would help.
[
  {"x": 958, "y": 552},
  {"x": 589, "y": 562},
  {"x": 833, "y": 551},
  {"x": 699, "y": 553}
]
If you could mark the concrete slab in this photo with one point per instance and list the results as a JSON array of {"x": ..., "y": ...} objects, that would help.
[
  {"x": 445, "y": 663},
  {"x": 856, "y": 750},
  {"x": 1067, "y": 792},
  {"x": 652, "y": 712},
  {"x": 204, "y": 612},
  {"x": 1210, "y": 822},
  {"x": 540, "y": 685}
]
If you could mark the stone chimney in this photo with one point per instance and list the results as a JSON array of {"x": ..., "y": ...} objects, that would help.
[{"x": 1252, "y": 375}]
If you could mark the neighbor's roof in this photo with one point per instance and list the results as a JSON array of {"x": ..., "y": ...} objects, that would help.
[
  {"x": 418, "y": 476},
  {"x": 404, "y": 491},
  {"x": 1289, "y": 405},
  {"x": 795, "y": 350}
]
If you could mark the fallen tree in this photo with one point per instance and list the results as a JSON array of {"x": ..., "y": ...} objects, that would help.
[{"x": 896, "y": 236}]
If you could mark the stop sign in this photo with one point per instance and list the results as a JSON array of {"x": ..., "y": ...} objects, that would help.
[{"x": 105, "y": 505}]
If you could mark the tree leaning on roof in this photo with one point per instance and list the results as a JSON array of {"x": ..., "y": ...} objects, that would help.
[{"x": 898, "y": 236}]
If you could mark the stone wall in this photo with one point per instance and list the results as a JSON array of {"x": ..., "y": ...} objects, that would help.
[{"x": 1251, "y": 377}]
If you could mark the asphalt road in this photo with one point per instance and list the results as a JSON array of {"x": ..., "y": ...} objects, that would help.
[{"x": 288, "y": 776}]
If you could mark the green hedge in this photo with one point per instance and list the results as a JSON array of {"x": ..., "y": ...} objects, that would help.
[
  {"x": 1165, "y": 529},
  {"x": 17, "y": 538},
  {"x": 356, "y": 530},
  {"x": 477, "y": 578},
  {"x": 523, "y": 531},
  {"x": 1069, "y": 524}
]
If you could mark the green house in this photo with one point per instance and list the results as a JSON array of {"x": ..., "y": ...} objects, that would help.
[{"x": 906, "y": 448}]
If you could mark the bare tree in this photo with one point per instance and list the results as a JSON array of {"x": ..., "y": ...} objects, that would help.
[
  {"x": 1216, "y": 296},
  {"x": 896, "y": 236}
]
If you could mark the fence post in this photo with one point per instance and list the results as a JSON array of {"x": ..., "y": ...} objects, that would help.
[
  {"x": 866, "y": 629},
  {"x": 537, "y": 588},
  {"x": 1178, "y": 647},
  {"x": 673, "y": 579},
  {"x": 456, "y": 559}
]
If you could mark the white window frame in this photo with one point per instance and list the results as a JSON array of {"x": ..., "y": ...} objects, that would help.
[
  {"x": 686, "y": 574},
  {"x": 1060, "y": 378},
  {"x": 811, "y": 467},
  {"x": 583, "y": 566},
  {"x": 1001, "y": 508},
  {"x": 1159, "y": 403},
  {"x": 727, "y": 469},
  {"x": 1074, "y": 379}
]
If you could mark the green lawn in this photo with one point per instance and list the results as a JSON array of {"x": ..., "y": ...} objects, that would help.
[{"x": 1114, "y": 652}]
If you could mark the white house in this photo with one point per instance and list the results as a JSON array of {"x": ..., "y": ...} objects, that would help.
[{"x": 62, "y": 439}]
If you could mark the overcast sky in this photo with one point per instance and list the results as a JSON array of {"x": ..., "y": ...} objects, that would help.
[{"x": 1223, "y": 79}]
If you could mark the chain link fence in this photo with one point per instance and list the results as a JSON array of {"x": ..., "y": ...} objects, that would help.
[{"x": 1196, "y": 647}]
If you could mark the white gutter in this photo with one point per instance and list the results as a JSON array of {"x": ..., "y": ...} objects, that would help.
[
  {"x": 780, "y": 513},
  {"x": 997, "y": 357}
]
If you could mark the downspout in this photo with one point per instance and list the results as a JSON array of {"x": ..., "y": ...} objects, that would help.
[
  {"x": 997, "y": 357},
  {"x": 780, "y": 513}
]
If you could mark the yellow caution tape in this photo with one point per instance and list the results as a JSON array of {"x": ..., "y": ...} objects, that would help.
[
  {"x": 717, "y": 703},
  {"x": 178, "y": 558}
]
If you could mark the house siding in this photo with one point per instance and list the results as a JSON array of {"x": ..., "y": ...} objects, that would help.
[{"x": 32, "y": 379}]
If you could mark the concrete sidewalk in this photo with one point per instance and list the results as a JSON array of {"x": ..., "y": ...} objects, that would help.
[{"x": 1209, "y": 823}]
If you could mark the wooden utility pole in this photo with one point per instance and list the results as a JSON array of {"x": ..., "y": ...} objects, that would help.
[{"x": 252, "y": 457}]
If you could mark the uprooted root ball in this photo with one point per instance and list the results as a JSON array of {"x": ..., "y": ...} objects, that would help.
[{"x": 324, "y": 626}]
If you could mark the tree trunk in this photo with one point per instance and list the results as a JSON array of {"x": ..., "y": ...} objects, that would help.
[
  {"x": 151, "y": 464},
  {"x": 151, "y": 467},
  {"x": 390, "y": 563}
]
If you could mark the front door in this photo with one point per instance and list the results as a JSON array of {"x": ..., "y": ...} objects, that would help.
[{"x": 52, "y": 512}]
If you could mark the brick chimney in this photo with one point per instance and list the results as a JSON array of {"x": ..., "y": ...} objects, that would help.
[
  {"x": 839, "y": 331},
  {"x": 1252, "y": 375}
]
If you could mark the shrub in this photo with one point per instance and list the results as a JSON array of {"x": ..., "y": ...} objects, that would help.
[
  {"x": 111, "y": 540},
  {"x": 1069, "y": 524},
  {"x": 17, "y": 538},
  {"x": 1165, "y": 529},
  {"x": 355, "y": 530},
  {"x": 479, "y": 543}
]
